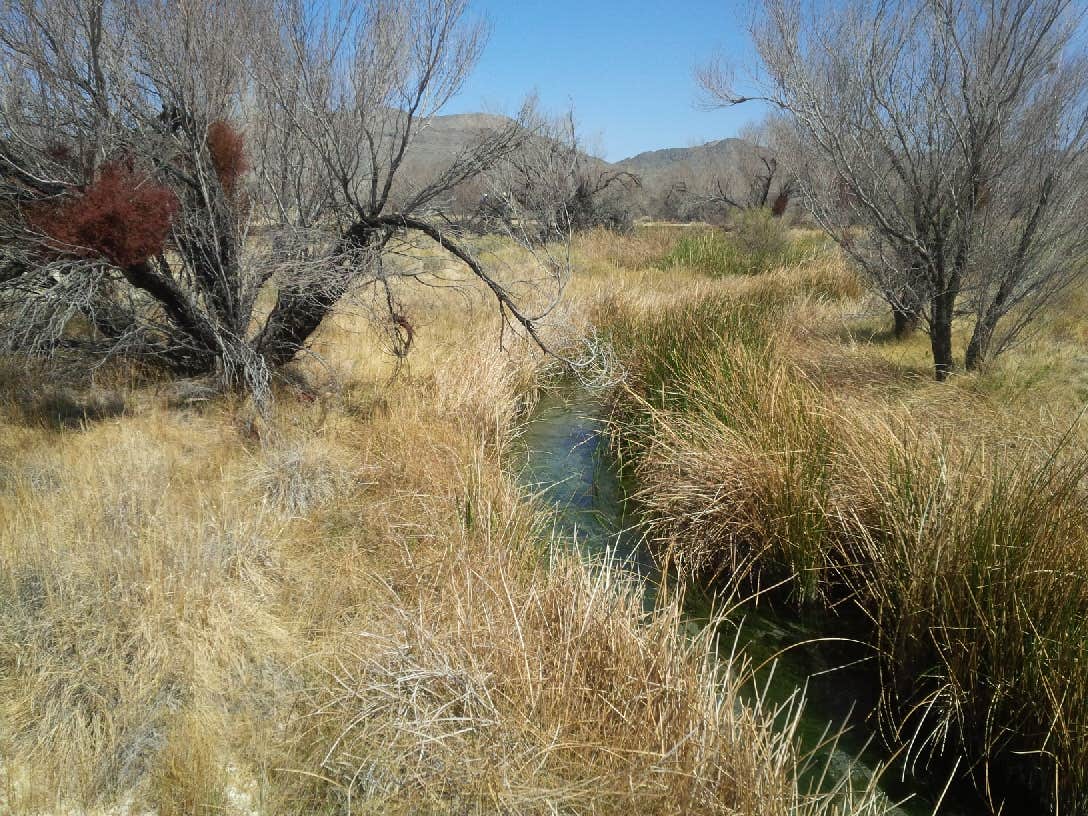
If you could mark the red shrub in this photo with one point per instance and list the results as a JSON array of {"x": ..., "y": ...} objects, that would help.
[
  {"x": 227, "y": 147},
  {"x": 781, "y": 201},
  {"x": 123, "y": 216}
]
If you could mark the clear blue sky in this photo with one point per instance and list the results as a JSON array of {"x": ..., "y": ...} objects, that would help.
[{"x": 625, "y": 66}]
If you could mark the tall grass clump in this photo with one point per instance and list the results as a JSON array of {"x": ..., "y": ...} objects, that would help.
[
  {"x": 661, "y": 344},
  {"x": 712, "y": 365},
  {"x": 756, "y": 243},
  {"x": 962, "y": 563},
  {"x": 977, "y": 572},
  {"x": 537, "y": 697}
]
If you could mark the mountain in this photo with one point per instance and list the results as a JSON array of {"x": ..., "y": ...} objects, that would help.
[
  {"x": 689, "y": 182},
  {"x": 446, "y": 136},
  {"x": 656, "y": 161}
]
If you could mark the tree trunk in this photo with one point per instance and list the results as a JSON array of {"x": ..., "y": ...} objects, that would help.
[
  {"x": 906, "y": 314},
  {"x": 940, "y": 333},
  {"x": 905, "y": 322},
  {"x": 297, "y": 314},
  {"x": 906, "y": 303},
  {"x": 781, "y": 201},
  {"x": 978, "y": 350},
  {"x": 198, "y": 345},
  {"x": 299, "y": 310}
]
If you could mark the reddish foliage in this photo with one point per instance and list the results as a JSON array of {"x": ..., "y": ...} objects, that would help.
[
  {"x": 781, "y": 201},
  {"x": 123, "y": 215},
  {"x": 227, "y": 147}
]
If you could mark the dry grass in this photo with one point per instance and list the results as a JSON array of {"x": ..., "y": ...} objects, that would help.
[
  {"x": 345, "y": 608},
  {"x": 642, "y": 248}
]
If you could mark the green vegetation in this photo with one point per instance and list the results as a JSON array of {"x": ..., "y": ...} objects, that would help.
[
  {"x": 758, "y": 242},
  {"x": 948, "y": 529}
]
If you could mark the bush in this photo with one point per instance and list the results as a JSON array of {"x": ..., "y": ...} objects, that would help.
[
  {"x": 756, "y": 243},
  {"x": 298, "y": 478},
  {"x": 759, "y": 234}
]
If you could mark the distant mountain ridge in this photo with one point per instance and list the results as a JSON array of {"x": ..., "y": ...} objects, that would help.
[
  {"x": 661, "y": 172},
  {"x": 450, "y": 133},
  {"x": 651, "y": 160}
]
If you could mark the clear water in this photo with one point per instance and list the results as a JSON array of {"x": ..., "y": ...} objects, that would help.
[{"x": 564, "y": 458}]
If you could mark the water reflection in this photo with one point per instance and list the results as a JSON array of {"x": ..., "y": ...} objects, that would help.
[{"x": 563, "y": 457}]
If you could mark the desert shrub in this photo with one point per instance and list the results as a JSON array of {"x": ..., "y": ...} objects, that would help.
[
  {"x": 77, "y": 237},
  {"x": 780, "y": 203},
  {"x": 298, "y": 477},
  {"x": 759, "y": 234}
]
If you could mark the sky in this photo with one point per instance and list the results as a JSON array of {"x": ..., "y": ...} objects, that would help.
[{"x": 626, "y": 66}]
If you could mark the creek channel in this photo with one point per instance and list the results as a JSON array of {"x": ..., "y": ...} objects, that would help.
[{"x": 563, "y": 456}]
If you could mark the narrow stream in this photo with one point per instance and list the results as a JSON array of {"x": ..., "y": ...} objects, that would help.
[{"x": 564, "y": 457}]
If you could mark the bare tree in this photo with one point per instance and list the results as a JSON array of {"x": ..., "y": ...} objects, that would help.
[
  {"x": 759, "y": 175},
  {"x": 945, "y": 146},
  {"x": 142, "y": 142},
  {"x": 551, "y": 188},
  {"x": 117, "y": 208}
]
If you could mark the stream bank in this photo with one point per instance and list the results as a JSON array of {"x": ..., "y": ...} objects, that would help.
[{"x": 563, "y": 456}]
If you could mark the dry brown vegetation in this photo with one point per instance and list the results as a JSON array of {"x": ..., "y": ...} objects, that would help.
[{"x": 346, "y": 607}]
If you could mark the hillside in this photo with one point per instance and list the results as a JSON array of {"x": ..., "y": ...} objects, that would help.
[
  {"x": 657, "y": 161},
  {"x": 443, "y": 137}
]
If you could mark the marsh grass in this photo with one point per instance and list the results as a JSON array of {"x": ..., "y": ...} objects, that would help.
[
  {"x": 947, "y": 525},
  {"x": 756, "y": 243},
  {"x": 978, "y": 568}
]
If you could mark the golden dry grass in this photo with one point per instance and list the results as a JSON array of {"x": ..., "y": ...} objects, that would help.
[{"x": 348, "y": 607}]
